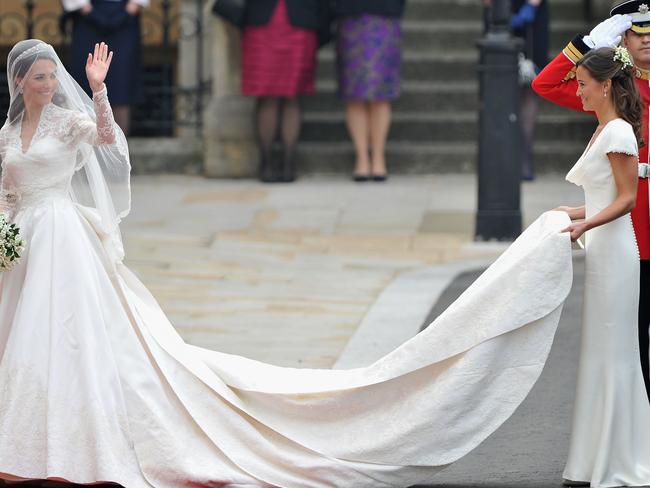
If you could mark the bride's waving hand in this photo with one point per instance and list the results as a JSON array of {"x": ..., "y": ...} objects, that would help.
[{"x": 97, "y": 66}]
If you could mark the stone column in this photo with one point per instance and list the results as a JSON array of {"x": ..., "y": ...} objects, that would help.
[
  {"x": 230, "y": 150},
  {"x": 192, "y": 41}
]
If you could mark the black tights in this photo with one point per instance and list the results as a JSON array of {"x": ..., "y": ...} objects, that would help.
[
  {"x": 274, "y": 113},
  {"x": 644, "y": 322},
  {"x": 529, "y": 108}
]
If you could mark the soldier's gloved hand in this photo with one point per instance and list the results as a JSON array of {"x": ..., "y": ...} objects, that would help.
[
  {"x": 525, "y": 15},
  {"x": 608, "y": 33}
]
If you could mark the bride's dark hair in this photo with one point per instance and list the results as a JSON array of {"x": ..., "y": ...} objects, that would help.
[
  {"x": 19, "y": 69},
  {"x": 602, "y": 66}
]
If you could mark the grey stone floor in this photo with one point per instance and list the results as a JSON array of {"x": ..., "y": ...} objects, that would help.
[{"x": 286, "y": 273}]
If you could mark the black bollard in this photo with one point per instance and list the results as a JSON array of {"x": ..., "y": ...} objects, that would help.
[{"x": 499, "y": 167}]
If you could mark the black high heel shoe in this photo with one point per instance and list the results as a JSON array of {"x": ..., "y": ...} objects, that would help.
[
  {"x": 265, "y": 172},
  {"x": 288, "y": 173}
]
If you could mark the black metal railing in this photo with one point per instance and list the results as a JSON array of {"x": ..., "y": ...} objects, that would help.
[{"x": 167, "y": 105}]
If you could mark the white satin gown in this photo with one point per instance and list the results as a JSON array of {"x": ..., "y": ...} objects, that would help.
[
  {"x": 610, "y": 441},
  {"x": 96, "y": 385}
]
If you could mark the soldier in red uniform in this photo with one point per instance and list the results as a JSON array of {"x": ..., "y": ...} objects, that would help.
[{"x": 629, "y": 21}]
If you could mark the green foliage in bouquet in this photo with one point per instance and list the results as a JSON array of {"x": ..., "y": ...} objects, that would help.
[{"x": 11, "y": 244}]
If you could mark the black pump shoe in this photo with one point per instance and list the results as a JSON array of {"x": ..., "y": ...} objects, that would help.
[
  {"x": 265, "y": 172},
  {"x": 288, "y": 173}
]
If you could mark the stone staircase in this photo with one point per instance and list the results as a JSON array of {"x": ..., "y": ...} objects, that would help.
[{"x": 435, "y": 122}]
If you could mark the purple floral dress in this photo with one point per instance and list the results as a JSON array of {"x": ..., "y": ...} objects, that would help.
[{"x": 369, "y": 54}]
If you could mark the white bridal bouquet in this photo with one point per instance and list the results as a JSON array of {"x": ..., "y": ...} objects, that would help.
[{"x": 11, "y": 244}]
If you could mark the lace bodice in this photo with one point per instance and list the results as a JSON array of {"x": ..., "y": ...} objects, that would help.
[
  {"x": 593, "y": 171},
  {"x": 47, "y": 165}
]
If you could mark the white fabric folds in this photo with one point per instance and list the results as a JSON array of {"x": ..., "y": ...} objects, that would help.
[{"x": 175, "y": 415}]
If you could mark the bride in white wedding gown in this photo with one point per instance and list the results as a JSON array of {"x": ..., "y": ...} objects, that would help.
[{"x": 96, "y": 385}]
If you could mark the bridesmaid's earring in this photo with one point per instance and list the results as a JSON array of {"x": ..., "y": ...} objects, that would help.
[{"x": 605, "y": 94}]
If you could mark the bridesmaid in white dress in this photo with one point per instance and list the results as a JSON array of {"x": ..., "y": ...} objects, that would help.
[{"x": 610, "y": 441}]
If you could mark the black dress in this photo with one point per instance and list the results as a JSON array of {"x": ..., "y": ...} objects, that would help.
[{"x": 109, "y": 22}]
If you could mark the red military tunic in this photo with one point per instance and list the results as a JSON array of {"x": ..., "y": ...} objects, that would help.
[{"x": 557, "y": 83}]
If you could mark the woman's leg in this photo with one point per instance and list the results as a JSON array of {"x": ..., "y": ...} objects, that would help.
[
  {"x": 529, "y": 109},
  {"x": 357, "y": 117},
  {"x": 291, "y": 123},
  {"x": 380, "y": 118},
  {"x": 267, "y": 130}
]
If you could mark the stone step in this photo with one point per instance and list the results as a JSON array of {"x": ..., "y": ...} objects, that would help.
[
  {"x": 152, "y": 155},
  {"x": 426, "y": 35},
  {"x": 422, "y": 158},
  {"x": 445, "y": 126},
  {"x": 437, "y": 65},
  {"x": 472, "y": 9},
  {"x": 416, "y": 96},
  {"x": 460, "y": 96},
  {"x": 434, "y": 65},
  {"x": 170, "y": 155}
]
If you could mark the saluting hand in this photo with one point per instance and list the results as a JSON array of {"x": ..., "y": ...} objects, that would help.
[
  {"x": 609, "y": 32},
  {"x": 97, "y": 66}
]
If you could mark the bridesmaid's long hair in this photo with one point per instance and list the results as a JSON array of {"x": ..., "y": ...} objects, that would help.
[{"x": 602, "y": 66}]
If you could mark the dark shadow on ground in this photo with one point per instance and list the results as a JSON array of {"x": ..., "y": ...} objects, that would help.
[
  {"x": 52, "y": 484},
  {"x": 523, "y": 483}
]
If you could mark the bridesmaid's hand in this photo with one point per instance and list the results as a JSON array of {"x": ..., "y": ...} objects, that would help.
[
  {"x": 577, "y": 230},
  {"x": 97, "y": 66}
]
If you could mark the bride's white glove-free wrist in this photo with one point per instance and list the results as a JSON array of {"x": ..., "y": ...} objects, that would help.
[{"x": 609, "y": 32}]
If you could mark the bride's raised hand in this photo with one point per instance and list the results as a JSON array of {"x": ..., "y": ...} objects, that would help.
[{"x": 97, "y": 66}]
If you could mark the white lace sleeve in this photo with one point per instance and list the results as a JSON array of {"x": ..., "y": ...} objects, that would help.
[
  {"x": 621, "y": 139},
  {"x": 8, "y": 196},
  {"x": 84, "y": 129}
]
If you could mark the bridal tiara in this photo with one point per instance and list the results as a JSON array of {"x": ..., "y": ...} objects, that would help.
[{"x": 38, "y": 47}]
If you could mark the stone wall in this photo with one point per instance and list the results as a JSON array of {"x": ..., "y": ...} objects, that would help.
[{"x": 229, "y": 142}]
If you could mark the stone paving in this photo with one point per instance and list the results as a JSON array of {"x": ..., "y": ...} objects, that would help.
[{"x": 286, "y": 273}]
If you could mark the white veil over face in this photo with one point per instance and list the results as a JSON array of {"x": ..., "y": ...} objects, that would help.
[{"x": 102, "y": 177}]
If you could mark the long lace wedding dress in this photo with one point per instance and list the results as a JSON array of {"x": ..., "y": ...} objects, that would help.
[{"x": 96, "y": 385}]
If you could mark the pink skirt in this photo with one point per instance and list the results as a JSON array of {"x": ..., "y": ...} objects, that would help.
[{"x": 278, "y": 59}]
